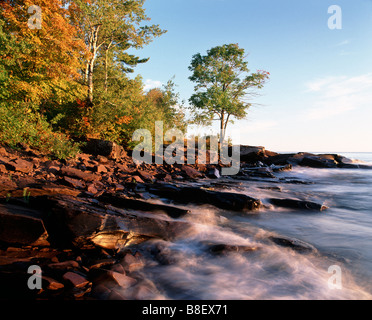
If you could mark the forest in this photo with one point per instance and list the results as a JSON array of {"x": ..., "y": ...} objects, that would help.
[{"x": 66, "y": 74}]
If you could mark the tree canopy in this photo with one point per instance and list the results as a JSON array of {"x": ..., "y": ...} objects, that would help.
[{"x": 224, "y": 85}]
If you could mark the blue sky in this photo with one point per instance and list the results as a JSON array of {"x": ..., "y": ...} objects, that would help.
[{"x": 319, "y": 97}]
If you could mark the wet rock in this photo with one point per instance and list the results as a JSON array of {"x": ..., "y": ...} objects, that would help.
[
  {"x": 132, "y": 263},
  {"x": 221, "y": 249},
  {"x": 297, "y": 204},
  {"x": 294, "y": 244},
  {"x": 321, "y": 161},
  {"x": 22, "y": 226},
  {"x": 51, "y": 284},
  {"x": 77, "y": 280},
  {"x": 222, "y": 200},
  {"x": 122, "y": 280},
  {"x": 142, "y": 205},
  {"x": 251, "y": 154}
]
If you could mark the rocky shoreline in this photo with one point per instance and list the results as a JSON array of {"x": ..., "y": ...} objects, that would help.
[{"x": 85, "y": 221}]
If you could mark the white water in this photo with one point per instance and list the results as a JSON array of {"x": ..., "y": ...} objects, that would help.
[{"x": 342, "y": 236}]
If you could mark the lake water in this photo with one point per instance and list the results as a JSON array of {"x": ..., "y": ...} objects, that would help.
[{"x": 342, "y": 236}]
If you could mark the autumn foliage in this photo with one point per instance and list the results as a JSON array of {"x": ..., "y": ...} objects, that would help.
[{"x": 48, "y": 74}]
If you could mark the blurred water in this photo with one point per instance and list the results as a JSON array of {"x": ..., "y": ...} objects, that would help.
[{"x": 342, "y": 236}]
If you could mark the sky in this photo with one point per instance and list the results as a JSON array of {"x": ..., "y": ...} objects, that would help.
[{"x": 319, "y": 96}]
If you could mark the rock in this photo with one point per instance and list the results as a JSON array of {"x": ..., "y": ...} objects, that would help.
[
  {"x": 121, "y": 279},
  {"x": 92, "y": 189},
  {"x": 75, "y": 279},
  {"x": 22, "y": 226},
  {"x": 18, "y": 165},
  {"x": 102, "y": 159},
  {"x": 132, "y": 263},
  {"x": 251, "y": 154},
  {"x": 279, "y": 159},
  {"x": 191, "y": 172},
  {"x": 82, "y": 223},
  {"x": 218, "y": 249},
  {"x": 214, "y": 173},
  {"x": 51, "y": 284},
  {"x": 297, "y": 204},
  {"x": 65, "y": 265},
  {"x": 104, "y": 148},
  {"x": 146, "y": 176},
  {"x": 142, "y": 205},
  {"x": 74, "y": 183},
  {"x": 100, "y": 168},
  {"x": 321, "y": 161},
  {"x": 294, "y": 244},
  {"x": 3, "y": 169},
  {"x": 222, "y": 200},
  {"x": 286, "y": 167},
  {"x": 76, "y": 173},
  {"x": 102, "y": 263}
]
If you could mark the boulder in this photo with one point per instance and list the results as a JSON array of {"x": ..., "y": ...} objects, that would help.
[
  {"x": 191, "y": 172},
  {"x": 297, "y": 204},
  {"x": 108, "y": 149},
  {"x": 319, "y": 161},
  {"x": 295, "y": 244},
  {"x": 22, "y": 226},
  {"x": 251, "y": 154}
]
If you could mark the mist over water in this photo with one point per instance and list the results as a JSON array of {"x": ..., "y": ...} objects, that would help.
[{"x": 341, "y": 236}]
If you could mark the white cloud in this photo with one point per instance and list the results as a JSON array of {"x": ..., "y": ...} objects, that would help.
[
  {"x": 338, "y": 95},
  {"x": 152, "y": 84}
]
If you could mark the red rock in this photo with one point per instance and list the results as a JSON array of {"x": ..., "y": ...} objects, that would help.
[
  {"x": 52, "y": 284},
  {"x": 75, "y": 279},
  {"x": 65, "y": 265},
  {"x": 118, "y": 268},
  {"x": 132, "y": 263},
  {"x": 191, "y": 172},
  {"x": 102, "y": 159},
  {"x": 19, "y": 165},
  {"x": 75, "y": 173},
  {"x": 3, "y": 169},
  {"x": 145, "y": 175},
  {"x": 100, "y": 168},
  {"x": 92, "y": 189},
  {"x": 121, "y": 279},
  {"x": 136, "y": 179},
  {"x": 74, "y": 183},
  {"x": 119, "y": 187}
]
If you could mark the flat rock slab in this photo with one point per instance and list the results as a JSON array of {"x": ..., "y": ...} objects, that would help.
[
  {"x": 83, "y": 175},
  {"x": 142, "y": 205},
  {"x": 222, "y": 200}
]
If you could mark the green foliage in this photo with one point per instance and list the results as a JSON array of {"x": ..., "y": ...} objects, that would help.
[
  {"x": 21, "y": 123},
  {"x": 223, "y": 85}
]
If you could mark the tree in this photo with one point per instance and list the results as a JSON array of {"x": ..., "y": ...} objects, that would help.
[
  {"x": 112, "y": 26},
  {"x": 223, "y": 85}
]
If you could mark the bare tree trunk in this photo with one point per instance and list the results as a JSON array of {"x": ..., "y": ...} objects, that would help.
[{"x": 93, "y": 49}]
